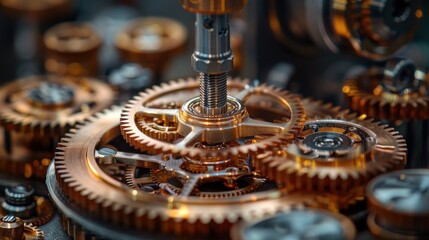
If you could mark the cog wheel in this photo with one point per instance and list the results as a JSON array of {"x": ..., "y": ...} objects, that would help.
[
  {"x": 397, "y": 204},
  {"x": 194, "y": 127},
  {"x": 159, "y": 128},
  {"x": 181, "y": 214},
  {"x": 368, "y": 94},
  {"x": 335, "y": 156},
  {"x": 31, "y": 232},
  {"x": 49, "y": 105},
  {"x": 12, "y": 227}
]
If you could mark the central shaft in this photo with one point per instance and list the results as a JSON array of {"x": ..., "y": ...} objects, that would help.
[{"x": 212, "y": 58}]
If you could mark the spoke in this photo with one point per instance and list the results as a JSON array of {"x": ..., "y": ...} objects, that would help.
[
  {"x": 138, "y": 160},
  {"x": 252, "y": 127},
  {"x": 190, "y": 185},
  {"x": 193, "y": 137},
  {"x": 166, "y": 114},
  {"x": 243, "y": 94}
]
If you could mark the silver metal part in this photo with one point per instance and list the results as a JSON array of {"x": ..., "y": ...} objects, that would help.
[
  {"x": 298, "y": 224},
  {"x": 213, "y": 59},
  {"x": 399, "y": 76}
]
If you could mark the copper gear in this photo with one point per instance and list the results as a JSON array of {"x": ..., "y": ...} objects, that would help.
[
  {"x": 31, "y": 232},
  {"x": 365, "y": 95},
  {"x": 159, "y": 128},
  {"x": 335, "y": 156},
  {"x": 83, "y": 182},
  {"x": 209, "y": 129},
  {"x": 29, "y": 106}
]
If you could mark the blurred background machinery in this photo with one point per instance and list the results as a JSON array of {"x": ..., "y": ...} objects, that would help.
[{"x": 222, "y": 151}]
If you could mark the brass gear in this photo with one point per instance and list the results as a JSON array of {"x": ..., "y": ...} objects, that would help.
[
  {"x": 159, "y": 128},
  {"x": 335, "y": 156},
  {"x": 196, "y": 127},
  {"x": 365, "y": 94},
  {"x": 50, "y": 105},
  {"x": 83, "y": 182},
  {"x": 31, "y": 232},
  {"x": 12, "y": 228}
]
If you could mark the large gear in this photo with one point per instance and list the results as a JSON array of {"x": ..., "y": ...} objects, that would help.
[
  {"x": 194, "y": 126},
  {"x": 81, "y": 179},
  {"x": 335, "y": 156},
  {"x": 366, "y": 94},
  {"x": 49, "y": 105}
]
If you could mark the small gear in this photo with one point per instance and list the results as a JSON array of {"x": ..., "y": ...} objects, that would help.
[
  {"x": 49, "y": 105},
  {"x": 31, "y": 232},
  {"x": 335, "y": 156},
  {"x": 184, "y": 215},
  {"x": 159, "y": 128},
  {"x": 12, "y": 227},
  {"x": 193, "y": 126},
  {"x": 380, "y": 94}
]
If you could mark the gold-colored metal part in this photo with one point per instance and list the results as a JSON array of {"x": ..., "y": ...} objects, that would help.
[
  {"x": 365, "y": 95},
  {"x": 151, "y": 41},
  {"x": 36, "y": 9},
  {"x": 195, "y": 127},
  {"x": 160, "y": 128},
  {"x": 335, "y": 156},
  {"x": 82, "y": 180},
  {"x": 281, "y": 226},
  {"x": 397, "y": 206},
  {"x": 213, "y": 6},
  {"x": 72, "y": 50},
  {"x": 33, "y": 233},
  {"x": 49, "y": 105},
  {"x": 13, "y": 228}
]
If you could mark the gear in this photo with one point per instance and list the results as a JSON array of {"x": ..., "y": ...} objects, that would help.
[
  {"x": 397, "y": 204},
  {"x": 49, "y": 105},
  {"x": 159, "y": 128},
  {"x": 367, "y": 94},
  {"x": 12, "y": 227},
  {"x": 82, "y": 181},
  {"x": 335, "y": 156},
  {"x": 195, "y": 126},
  {"x": 31, "y": 232}
]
